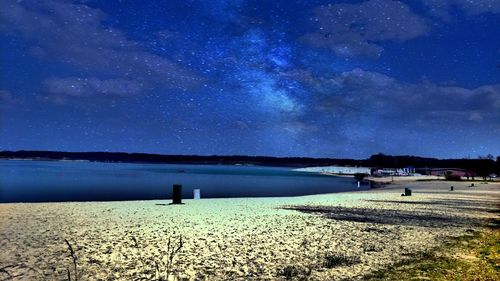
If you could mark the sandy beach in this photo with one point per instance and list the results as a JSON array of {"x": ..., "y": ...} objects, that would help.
[{"x": 320, "y": 237}]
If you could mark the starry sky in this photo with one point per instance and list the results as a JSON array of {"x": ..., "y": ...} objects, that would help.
[{"x": 278, "y": 78}]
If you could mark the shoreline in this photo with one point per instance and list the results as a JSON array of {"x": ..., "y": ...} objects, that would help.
[
  {"x": 242, "y": 238},
  {"x": 191, "y": 199},
  {"x": 386, "y": 185}
]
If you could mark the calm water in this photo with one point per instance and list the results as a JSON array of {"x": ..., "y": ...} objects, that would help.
[{"x": 39, "y": 181}]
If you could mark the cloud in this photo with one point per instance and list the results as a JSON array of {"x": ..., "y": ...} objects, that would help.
[
  {"x": 365, "y": 93},
  {"x": 360, "y": 112},
  {"x": 74, "y": 34},
  {"x": 66, "y": 88},
  {"x": 358, "y": 29},
  {"x": 441, "y": 8}
]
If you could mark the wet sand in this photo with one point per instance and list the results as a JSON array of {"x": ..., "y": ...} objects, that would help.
[{"x": 320, "y": 237}]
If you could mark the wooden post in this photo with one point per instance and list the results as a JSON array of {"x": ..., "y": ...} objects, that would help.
[{"x": 177, "y": 194}]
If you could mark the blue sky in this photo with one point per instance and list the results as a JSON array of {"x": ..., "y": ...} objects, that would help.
[{"x": 280, "y": 78}]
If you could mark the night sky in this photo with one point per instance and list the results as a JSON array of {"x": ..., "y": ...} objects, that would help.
[{"x": 278, "y": 78}]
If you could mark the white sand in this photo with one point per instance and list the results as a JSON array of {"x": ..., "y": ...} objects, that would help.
[{"x": 233, "y": 239}]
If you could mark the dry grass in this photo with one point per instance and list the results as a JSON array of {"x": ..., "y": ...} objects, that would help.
[
  {"x": 74, "y": 258},
  {"x": 160, "y": 267},
  {"x": 475, "y": 256}
]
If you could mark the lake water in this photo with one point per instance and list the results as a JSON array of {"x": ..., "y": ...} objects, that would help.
[{"x": 43, "y": 181}]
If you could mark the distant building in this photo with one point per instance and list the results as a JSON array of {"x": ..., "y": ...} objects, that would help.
[
  {"x": 452, "y": 171},
  {"x": 407, "y": 171},
  {"x": 384, "y": 172}
]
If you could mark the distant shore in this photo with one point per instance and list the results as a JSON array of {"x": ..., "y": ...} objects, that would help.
[
  {"x": 321, "y": 237},
  {"x": 376, "y": 160},
  {"x": 403, "y": 178}
]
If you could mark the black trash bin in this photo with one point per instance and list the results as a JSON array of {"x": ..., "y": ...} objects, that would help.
[
  {"x": 407, "y": 191},
  {"x": 177, "y": 194}
]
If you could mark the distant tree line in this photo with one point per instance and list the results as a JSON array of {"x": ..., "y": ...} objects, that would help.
[
  {"x": 482, "y": 166},
  {"x": 178, "y": 159}
]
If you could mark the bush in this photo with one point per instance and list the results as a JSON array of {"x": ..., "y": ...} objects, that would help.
[
  {"x": 367, "y": 247},
  {"x": 289, "y": 272},
  {"x": 334, "y": 260},
  {"x": 295, "y": 272}
]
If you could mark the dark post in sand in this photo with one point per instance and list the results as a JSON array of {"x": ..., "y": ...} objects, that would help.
[
  {"x": 407, "y": 191},
  {"x": 177, "y": 194}
]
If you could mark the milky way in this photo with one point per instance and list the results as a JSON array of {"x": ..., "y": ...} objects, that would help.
[{"x": 280, "y": 78}]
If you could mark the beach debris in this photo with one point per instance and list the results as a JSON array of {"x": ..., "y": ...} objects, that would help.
[
  {"x": 196, "y": 194},
  {"x": 177, "y": 194}
]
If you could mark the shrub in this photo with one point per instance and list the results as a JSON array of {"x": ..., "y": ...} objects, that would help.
[
  {"x": 334, "y": 260},
  {"x": 367, "y": 247},
  {"x": 289, "y": 272},
  {"x": 295, "y": 272}
]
